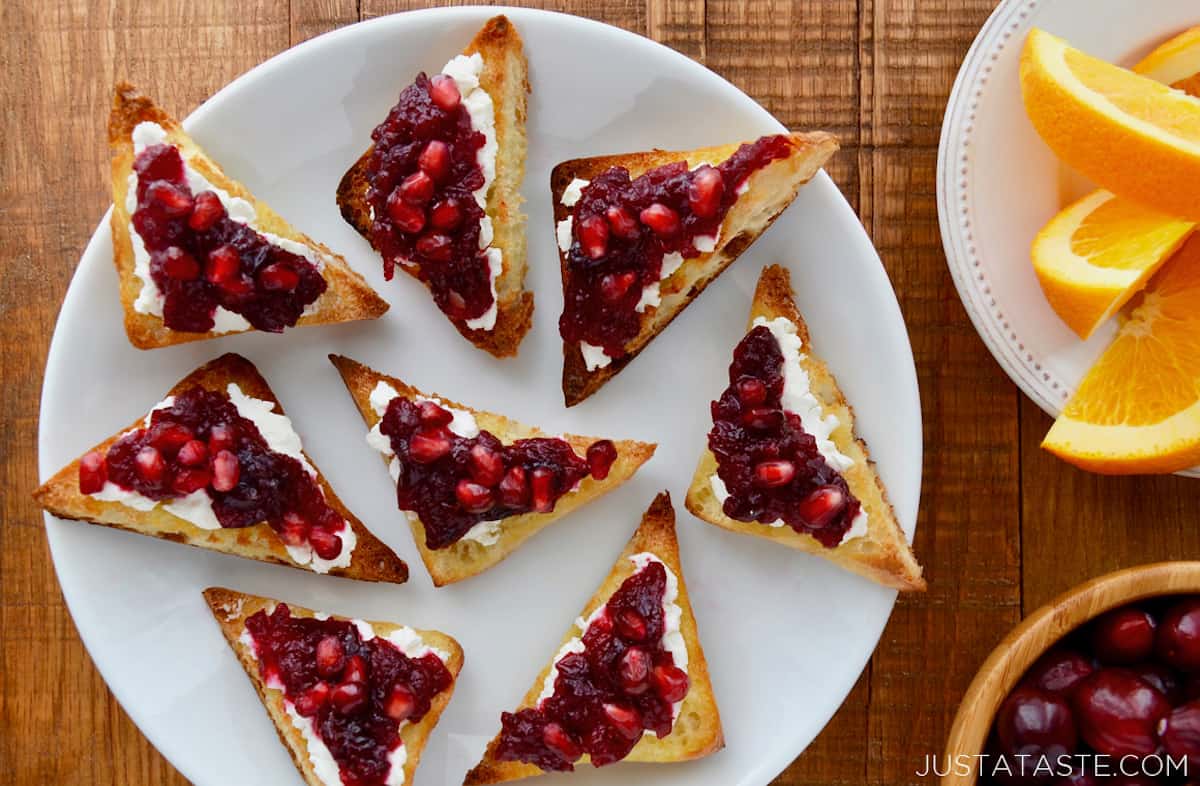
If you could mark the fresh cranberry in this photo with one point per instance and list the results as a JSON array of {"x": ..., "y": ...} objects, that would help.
[
  {"x": 1162, "y": 679},
  {"x": 1178, "y": 639},
  {"x": 1118, "y": 712},
  {"x": 1179, "y": 731},
  {"x": 92, "y": 473},
  {"x": 1036, "y": 723},
  {"x": 1059, "y": 671},
  {"x": 1123, "y": 636},
  {"x": 206, "y": 212},
  {"x": 444, "y": 92},
  {"x": 600, "y": 457}
]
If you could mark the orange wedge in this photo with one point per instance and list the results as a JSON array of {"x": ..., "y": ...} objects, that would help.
[
  {"x": 1094, "y": 255},
  {"x": 1129, "y": 134},
  {"x": 1138, "y": 408}
]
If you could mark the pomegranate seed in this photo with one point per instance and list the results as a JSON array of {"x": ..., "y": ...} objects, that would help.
[
  {"x": 763, "y": 418},
  {"x": 417, "y": 188},
  {"x": 226, "y": 469},
  {"x": 444, "y": 92},
  {"x": 92, "y": 472},
  {"x": 401, "y": 703},
  {"x": 238, "y": 286},
  {"x": 820, "y": 507},
  {"x": 295, "y": 529},
  {"x": 623, "y": 224},
  {"x": 778, "y": 472},
  {"x": 356, "y": 671},
  {"x": 634, "y": 671},
  {"x": 435, "y": 159},
  {"x": 514, "y": 488},
  {"x": 630, "y": 625},
  {"x": 193, "y": 453},
  {"x": 224, "y": 264},
  {"x": 705, "y": 192},
  {"x": 279, "y": 278},
  {"x": 670, "y": 682},
  {"x": 433, "y": 415},
  {"x": 625, "y": 720},
  {"x": 331, "y": 656},
  {"x": 310, "y": 702},
  {"x": 542, "y": 482},
  {"x": 751, "y": 391},
  {"x": 349, "y": 697},
  {"x": 206, "y": 212},
  {"x": 559, "y": 741},
  {"x": 188, "y": 481},
  {"x": 435, "y": 246},
  {"x": 170, "y": 197},
  {"x": 662, "y": 219},
  {"x": 180, "y": 265},
  {"x": 455, "y": 303},
  {"x": 446, "y": 214},
  {"x": 407, "y": 218},
  {"x": 170, "y": 437},
  {"x": 487, "y": 466},
  {"x": 222, "y": 436},
  {"x": 150, "y": 464},
  {"x": 473, "y": 497},
  {"x": 428, "y": 446},
  {"x": 603, "y": 623},
  {"x": 326, "y": 544},
  {"x": 593, "y": 236},
  {"x": 613, "y": 286},
  {"x": 600, "y": 457}
]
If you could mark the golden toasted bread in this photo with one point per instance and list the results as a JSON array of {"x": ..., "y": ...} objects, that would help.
[
  {"x": 505, "y": 77},
  {"x": 768, "y": 192},
  {"x": 231, "y": 610},
  {"x": 466, "y": 558},
  {"x": 697, "y": 731},
  {"x": 347, "y": 298},
  {"x": 371, "y": 560},
  {"x": 883, "y": 554}
]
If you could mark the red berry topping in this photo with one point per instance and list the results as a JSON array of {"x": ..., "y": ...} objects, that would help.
[
  {"x": 630, "y": 625},
  {"x": 705, "y": 191},
  {"x": 625, "y": 719},
  {"x": 401, "y": 703},
  {"x": 1118, "y": 713},
  {"x": 348, "y": 698},
  {"x": 1059, "y": 671},
  {"x": 406, "y": 217},
  {"x": 433, "y": 415},
  {"x": 1036, "y": 723},
  {"x": 1178, "y": 639},
  {"x": 770, "y": 474},
  {"x": 172, "y": 200},
  {"x": 1179, "y": 731},
  {"x": 514, "y": 488},
  {"x": 559, "y": 741},
  {"x": 542, "y": 484},
  {"x": 180, "y": 265},
  {"x": 670, "y": 682},
  {"x": 473, "y": 497},
  {"x": 92, "y": 472},
  {"x": 614, "y": 285},
  {"x": 593, "y": 236},
  {"x": 278, "y": 277},
  {"x": 356, "y": 670},
  {"x": 331, "y": 657},
  {"x": 634, "y": 671},
  {"x": 622, "y": 223},
  {"x": 446, "y": 215},
  {"x": 224, "y": 264},
  {"x": 436, "y": 246},
  {"x": 310, "y": 702},
  {"x": 600, "y": 457},
  {"x": 428, "y": 446},
  {"x": 222, "y": 436},
  {"x": 295, "y": 530},
  {"x": 327, "y": 545},
  {"x": 660, "y": 218},
  {"x": 226, "y": 469},
  {"x": 194, "y": 453},
  {"x": 822, "y": 506},
  {"x": 435, "y": 159},
  {"x": 1123, "y": 636},
  {"x": 417, "y": 188},
  {"x": 487, "y": 465},
  {"x": 150, "y": 464},
  {"x": 444, "y": 92},
  {"x": 763, "y": 418},
  {"x": 206, "y": 212},
  {"x": 751, "y": 391}
]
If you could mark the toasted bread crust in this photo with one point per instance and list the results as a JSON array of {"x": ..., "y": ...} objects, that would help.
[
  {"x": 699, "y": 713},
  {"x": 60, "y": 495},
  {"x": 467, "y": 558},
  {"x": 506, "y": 78},
  {"x": 771, "y": 190},
  {"x": 348, "y": 297},
  {"x": 883, "y": 555},
  {"x": 231, "y": 609}
]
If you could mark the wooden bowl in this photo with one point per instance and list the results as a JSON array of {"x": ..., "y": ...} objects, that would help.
[{"x": 1041, "y": 630}]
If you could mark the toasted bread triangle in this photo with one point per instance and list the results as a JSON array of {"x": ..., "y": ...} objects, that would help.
[
  {"x": 769, "y": 191},
  {"x": 883, "y": 554},
  {"x": 467, "y": 558},
  {"x": 231, "y": 609},
  {"x": 506, "y": 78},
  {"x": 697, "y": 731},
  {"x": 347, "y": 298},
  {"x": 371, "y": 560}
]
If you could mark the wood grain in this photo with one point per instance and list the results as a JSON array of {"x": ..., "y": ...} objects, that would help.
[{"x": 1004, "y": 527}]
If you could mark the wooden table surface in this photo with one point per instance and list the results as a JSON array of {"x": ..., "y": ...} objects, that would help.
[{"x": 1003, "y": 526}]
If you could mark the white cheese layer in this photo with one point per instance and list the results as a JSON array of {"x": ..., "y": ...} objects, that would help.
[
  {"x": 150, "y": 299},
  {"x": 465, "y": 70},
  {"x": 196, "y": 508},
  {"x": 672, "y": 639},
  {"x": 798, "y": 398}
]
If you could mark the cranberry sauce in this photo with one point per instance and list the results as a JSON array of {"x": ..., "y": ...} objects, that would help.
[
  {"x": 422, "y": 177},
  {"x": 452, "y": 482},
  {"x": 770, "y": 465},
  {"x": 201, "y": 258},
  {"x": 356, "y": 693},
  {"x": 622, "y": 228},
  {"x": 606, "y": 697},
  {"x": 200, "y": 442}
]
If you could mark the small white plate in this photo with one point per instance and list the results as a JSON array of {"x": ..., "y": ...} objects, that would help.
[
  {"x": 786, "y": 635},
  {"x": 998, "y": 183}
]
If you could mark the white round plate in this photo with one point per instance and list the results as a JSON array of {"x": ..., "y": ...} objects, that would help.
[
  {"x": 786, "y": 635},
  {"x": 998, "y": 183}
]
